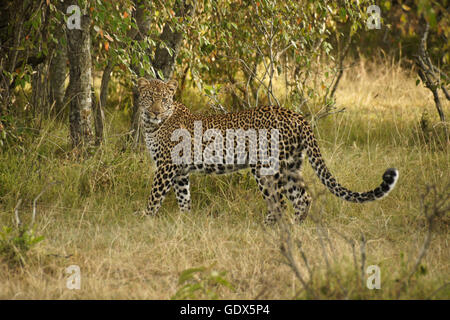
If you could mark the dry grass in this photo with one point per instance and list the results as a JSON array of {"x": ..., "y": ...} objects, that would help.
[{"x": 88, "y": 219}]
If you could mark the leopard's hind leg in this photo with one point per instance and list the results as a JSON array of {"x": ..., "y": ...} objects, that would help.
[
  {"x": 270, "y": 187},
  {"x": 294, "y": 189}
]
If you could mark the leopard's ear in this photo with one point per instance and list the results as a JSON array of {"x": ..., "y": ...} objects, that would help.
[
  {"x": 172, "y": 85},
  {"x": 141, "y": 83}
]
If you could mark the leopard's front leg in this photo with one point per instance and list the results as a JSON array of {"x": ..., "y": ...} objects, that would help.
[
  {"x": 182, "y": 192},
  {"x": 162, "y": 182}
]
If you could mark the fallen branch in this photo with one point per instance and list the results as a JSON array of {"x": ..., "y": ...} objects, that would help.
[{"x": 16, "y": 213}]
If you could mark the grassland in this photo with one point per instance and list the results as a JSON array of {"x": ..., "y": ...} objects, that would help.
[{"x": 87, "y": 218}]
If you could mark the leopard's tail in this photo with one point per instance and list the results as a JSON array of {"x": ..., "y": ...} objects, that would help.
[{"x": 390, "y": 176}]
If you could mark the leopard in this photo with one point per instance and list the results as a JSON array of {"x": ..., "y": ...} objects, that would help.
[{"x": 161, "y": 116}]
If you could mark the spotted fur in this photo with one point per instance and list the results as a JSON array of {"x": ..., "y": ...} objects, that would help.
[{"x": 161, "y": 115}]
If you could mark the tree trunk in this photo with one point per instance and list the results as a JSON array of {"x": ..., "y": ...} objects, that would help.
[
  {"x": 79, "y": 95},
  {"x": 98, "y": 119},
  {"x": 39, "y": 85},
  {"x": 164, "y": 60},
  {"x": 11, "y": 29},
  {"x": 431, "y": 75},
  {"x": 182, "y": 85},
  {"x": 105, "y": 82},
  {"x": 14, "y": 16},
  {"x": 143, "y": 22},
  {"x": 58, "y": 72}
]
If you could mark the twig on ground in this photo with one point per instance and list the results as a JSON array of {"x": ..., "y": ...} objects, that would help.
[
  {"x": 363, "y": 258},
  {"x": 16, "y": 213},
  {"x": 287, "y": 252},
  {"x": 439, "y": 207}
]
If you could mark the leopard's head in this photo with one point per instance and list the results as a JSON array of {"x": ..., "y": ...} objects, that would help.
[{"x": 156, "y": 98}]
